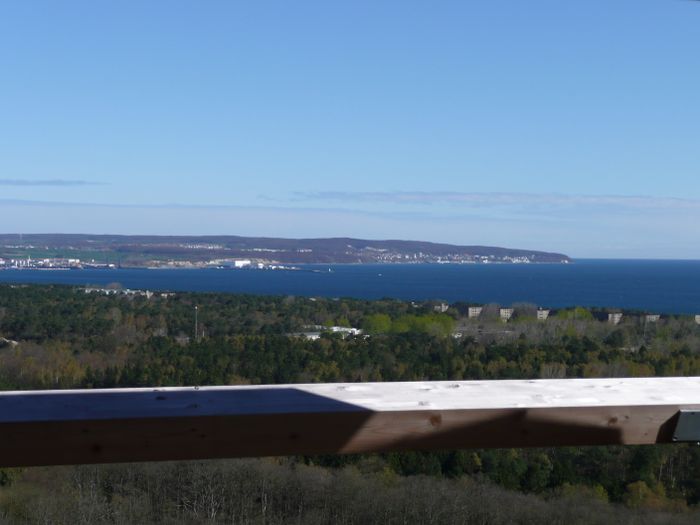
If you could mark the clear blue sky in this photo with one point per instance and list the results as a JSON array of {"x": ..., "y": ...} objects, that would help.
[{"x": 571, "y": 126}]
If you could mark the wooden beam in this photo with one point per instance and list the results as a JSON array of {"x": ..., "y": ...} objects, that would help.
[{"x": 151, "y": 424}]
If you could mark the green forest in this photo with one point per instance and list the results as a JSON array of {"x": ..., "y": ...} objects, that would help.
[{"x": 63, "y": 337}]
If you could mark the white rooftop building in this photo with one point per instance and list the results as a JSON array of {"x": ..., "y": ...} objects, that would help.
[
  {"x": 346, "y": 330},
  {"x": 542, "y": 314},
  {"x": 475, "y": 311}
]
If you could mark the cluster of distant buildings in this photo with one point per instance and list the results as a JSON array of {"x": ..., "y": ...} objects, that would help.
[
  {"x": 219, "y": 264},
  {"x": 506, "y": 315},
  {"x": 51, "y": 263},
  {"x": 234, "y": 263},
  {"x": 314, "y": 332},
  {"x": 127, "y": 292},
  {"x": 238, "y": 264},
  {"x": 200, "y": 246},
  {"x": 387, "y": 256}
]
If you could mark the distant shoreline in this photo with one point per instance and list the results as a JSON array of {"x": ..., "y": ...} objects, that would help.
[
  {"x": 303, "y": 264},
  {"x": 153, "y": 250}
]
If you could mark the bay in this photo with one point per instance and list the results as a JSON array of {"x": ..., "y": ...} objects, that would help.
[{"x": 661, "y": 286}]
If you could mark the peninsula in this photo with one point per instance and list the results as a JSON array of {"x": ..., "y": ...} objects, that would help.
[{"x": 77, "y": 250}]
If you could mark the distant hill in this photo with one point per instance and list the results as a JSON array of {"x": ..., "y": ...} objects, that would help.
[{"x": 142, "y": 249}]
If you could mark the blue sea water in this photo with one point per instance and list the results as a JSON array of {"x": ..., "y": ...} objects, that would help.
[{"x": 653, "y": 285}]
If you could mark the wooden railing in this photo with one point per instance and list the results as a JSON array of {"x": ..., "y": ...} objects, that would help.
[{"x": 151, "y": 424}]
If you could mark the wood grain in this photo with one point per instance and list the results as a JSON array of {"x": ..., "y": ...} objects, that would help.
[{"x": 102, "y": 426}]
